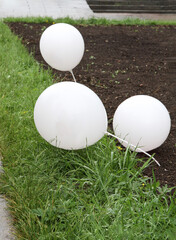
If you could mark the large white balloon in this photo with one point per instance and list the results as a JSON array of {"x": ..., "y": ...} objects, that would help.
[
  {"x": 69, "y": 115},
  {"x": 143, "y": 121},
  {"x": 62, "y": 46}
]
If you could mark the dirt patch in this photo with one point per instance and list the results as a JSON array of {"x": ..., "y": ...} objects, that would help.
[{"x": 119, "y": 62}]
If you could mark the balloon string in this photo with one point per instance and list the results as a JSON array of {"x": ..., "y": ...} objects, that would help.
[
  {"x": 120, "y": 139},
  {"x": 73, "y": 76}
]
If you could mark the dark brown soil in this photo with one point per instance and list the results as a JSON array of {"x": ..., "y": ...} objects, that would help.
[{"x": 119, "y": 62}]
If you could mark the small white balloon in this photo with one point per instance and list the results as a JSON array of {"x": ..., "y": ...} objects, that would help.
[
  {"x": 69, "y": 115},
  {"x": 142, "y": 121},
  {"x": 62, "y": 46}
]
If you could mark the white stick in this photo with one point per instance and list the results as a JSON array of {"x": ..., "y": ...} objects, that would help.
[
  {"x": 73, "y": 76},
  {"x": 120, "y": 139}
]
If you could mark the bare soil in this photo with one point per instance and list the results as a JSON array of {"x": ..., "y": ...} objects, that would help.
[{"x": 123, "y": 61}]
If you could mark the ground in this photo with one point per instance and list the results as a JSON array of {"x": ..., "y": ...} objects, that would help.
[{"x": 119, "y": 62}]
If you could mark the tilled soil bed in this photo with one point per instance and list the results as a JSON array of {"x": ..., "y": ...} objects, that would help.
[{"x": 119, "y": 62}]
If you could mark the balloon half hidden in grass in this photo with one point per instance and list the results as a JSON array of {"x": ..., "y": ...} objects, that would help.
[
  {"x": 69, "y": 115},
  {"x": 142, "y": 121}
]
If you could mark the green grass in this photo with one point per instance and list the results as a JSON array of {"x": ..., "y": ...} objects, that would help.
[
  {"x": 94, "y": 193},
  {"x": 92, "y": 21}
]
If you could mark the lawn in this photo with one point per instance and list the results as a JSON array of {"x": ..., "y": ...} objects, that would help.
[{"x": 95, "y": 193}]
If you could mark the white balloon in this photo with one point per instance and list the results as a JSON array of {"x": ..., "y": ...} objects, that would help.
[
  {"x": 143, "y": 121},
  {"x": 62, "y": 46},
  {"x": 69, "y": 115}
]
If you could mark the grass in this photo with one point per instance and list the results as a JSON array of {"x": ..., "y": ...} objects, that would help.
[
  {"x": 96, "y": 193},
  {"x": 92, "y": 21}
]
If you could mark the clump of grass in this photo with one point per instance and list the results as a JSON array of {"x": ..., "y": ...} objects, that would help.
[{"x": 95, "y": 193}]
